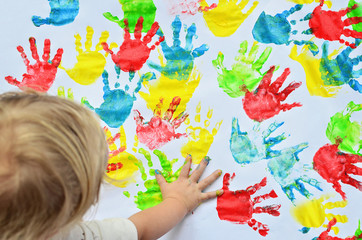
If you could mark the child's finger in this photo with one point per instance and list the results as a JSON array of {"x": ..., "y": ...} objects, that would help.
[
  {"x": 195, "y": 176},
  {"x": 209, "y": 180},
  {"x": 160, "y": 179},
  {"x": 211, "y": 195},
  {"x": 185, "y": 170}
]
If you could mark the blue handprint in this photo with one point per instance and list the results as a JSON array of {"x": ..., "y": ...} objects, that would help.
[
  {"x": 62, "y": 12},
  {"x": 340, "y": 71},
  {"x": 117, "y": 103},
  {"x": 252, "y": 147},
  {"x": 278, "y": 30},
  {"x": 180, "y": 61}
]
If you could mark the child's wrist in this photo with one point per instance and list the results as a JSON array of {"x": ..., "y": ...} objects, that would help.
[{"x": 179, "y": 203}]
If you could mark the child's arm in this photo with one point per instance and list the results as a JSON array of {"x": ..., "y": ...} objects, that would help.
[{"x": 179, "y": 198}]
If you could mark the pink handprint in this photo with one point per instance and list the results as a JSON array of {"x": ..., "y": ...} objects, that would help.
[
  {"x": 41, "y": 75},
  {"x": 159, "y": 131},
  {"x": 265, "y": 101},
  {"x": 133, "y": 53}
]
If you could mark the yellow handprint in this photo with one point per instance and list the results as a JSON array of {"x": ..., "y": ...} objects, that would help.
[
  {"x": 227, "y": 17},
  {"x": 90, "y": 63},
  {"x": 122, "y": 166},
  {"x": 312, "y": 213},
  {"x": 314, "y": 82},
  {"x": 200, "y": 138}
]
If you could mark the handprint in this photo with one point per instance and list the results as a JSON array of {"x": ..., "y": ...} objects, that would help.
[
  {"x": 252, "y": 147},
  {"x": 180, "y": 61},
  {"x": 224, "y": 19},
  {"x": 239, "y": 206},
  {"x": 200, "y": 137},
  {"x": 325, "y": 235},
  {"x": 334, "y": 166},
  {"x": 342, "y": 131},
  {"x": 133, "y": 53},
  {"x": 160, "y": 130},
  {"x": 117, "y": 103},
  {"x": 311, "y": 65},
  {"x": 122, "y": 166},
  {"x": 339, "y": 71},
  {"x": 90, "y": 63},
  {"x": 328, "y": 3},
  {"x": 62, "y": 12},
  {"x": 355, "y": 11},
  {"x": 265, "y": 101},
  {"x": 312, "y": 213},
  {"x": 328, "y": 25},
  {"x": 245, "y": 71},
  {"x": 41, "y": 75},
  {"x": 132, "y": 11},
  {"x": 189, "y": 7}
]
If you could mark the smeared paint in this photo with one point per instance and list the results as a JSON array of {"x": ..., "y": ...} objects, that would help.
[
  {"x": 167, "y": 89},
  {"x": 132, "y": 11},
  {"x": 90, "y": 63},
  {"x": 278, "y": 30},
  {"x": 180, "y": 61},
  {"x": 254, "y": 146},
  {"x": 62, "y": 12},
  {"x": 265, "y": 101},
  {"x": 311, "y": 65},
  {"x": 117, "y": 103},
  {"x": 200, "y": 138},
  {"x": 328, "y": 3},
  {"x": 355, "y": 12},
  {"x": 61, "y": 93},
  {"x": 328, "y": 25},
  {"x": 127, "y": 194},
  {"x": 340, "y": 71},
  {"x": 122, "y": 166},
  {"x": 239, "y": 206},
  {"x": 325, "y": 234},
  {"x": 41, "y": 75},
  {"x": 246, "y": 71},
  {"x": 312, "y": 213},
  {"x": 334, "y": 166},
  {"x": 160, "y": 130},
  {"x": 224, "y": 19},
  {"x": 133, "y": 53},
  {"x": 345, "y": 133},
  {"x": 188, "y": 7},
  {"x": 152, "y": 196}
]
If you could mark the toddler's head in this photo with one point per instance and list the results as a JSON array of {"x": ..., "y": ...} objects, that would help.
[{"x": 52, "y": 160}]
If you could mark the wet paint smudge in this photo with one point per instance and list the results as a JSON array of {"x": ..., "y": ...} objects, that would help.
[
  {"x": 41, "y": 75},
  {"x": 187, "y": 7},
  {"x": 133, "y": 53},
  {"x": 239, "y": 206},
  {"x": 334, "y": 166},
  {"x": 117, "y": 103},
  {"x": 62, "y": 12},
  {"x": 160, "y": 130},
  {"x": 225, "y": 18},
  {"x": 122, "y": 167},
  {"x": 342, "y": 131},
  {"x": 312, "y": 213},
  {"x": 339, "y": 71},
  {"x": 132, "y": 11},
  {"x": 265, "y": 101},
  {"x": 90, "y": 63},
  {"x": 180, "y": 60},
  {"x": 200, "y": 137},
  {"x": 152, "y": 196},
  {"x": 246, "y": 71}
]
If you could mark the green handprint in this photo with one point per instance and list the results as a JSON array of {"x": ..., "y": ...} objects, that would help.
[
  {"x": 132, "y": 11},
  {"x": 245, "y": 72}
]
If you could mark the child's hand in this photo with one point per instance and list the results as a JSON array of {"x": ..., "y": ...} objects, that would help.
[{"x": 187, "y": 189}]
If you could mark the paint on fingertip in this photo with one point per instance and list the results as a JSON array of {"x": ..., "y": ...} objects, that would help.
[
  {"x": 158, "y": 172},
  {"x": 220, "y": 172},
  {"x": 219, "y": 193},
  {"x": 207, "y": 159}
]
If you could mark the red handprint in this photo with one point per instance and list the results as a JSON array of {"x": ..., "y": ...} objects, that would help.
[
  {"x": 329, "y": 25},
  {"x": 159, "y": 131},
  {"x": 133, "y": 53},
  {"x": 334, "y": 166},
  {"x": 239, "y": 207},
  {"x": 41, "y": 75},
  {"x": 325, "y": 235},
  {"x": 265, "y": 101}
]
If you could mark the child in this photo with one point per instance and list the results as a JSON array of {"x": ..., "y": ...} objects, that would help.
[{"x": 53, "y": 156}]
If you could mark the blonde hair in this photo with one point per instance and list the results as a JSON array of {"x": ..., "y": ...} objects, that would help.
[{"x": 53, "y": 156}]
